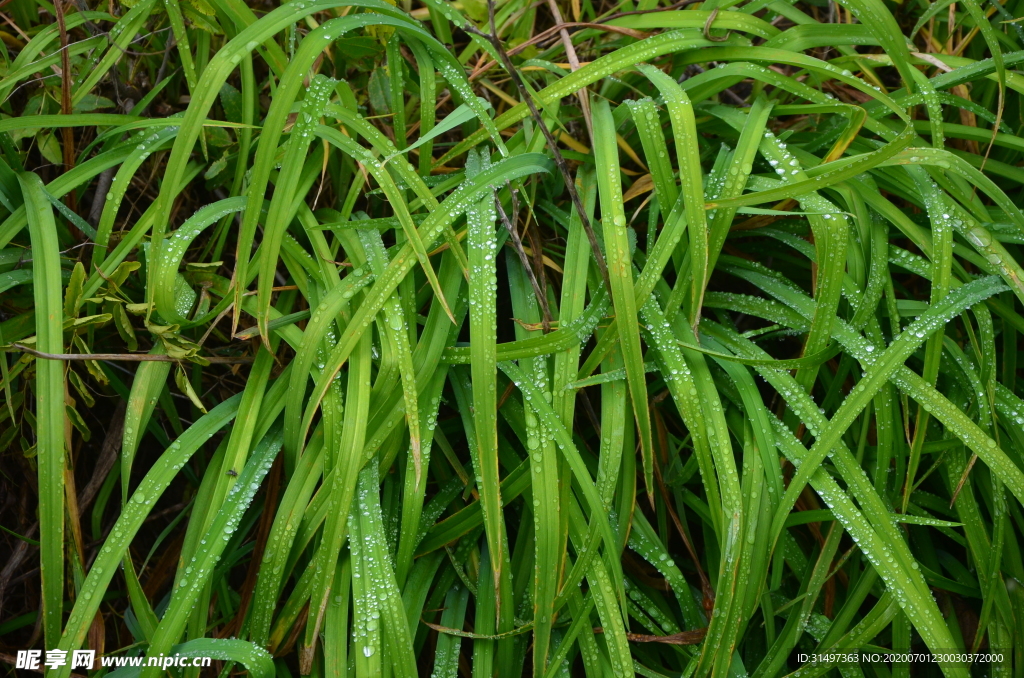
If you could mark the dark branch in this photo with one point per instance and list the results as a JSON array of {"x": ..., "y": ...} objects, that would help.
[
  {"x": 127, "y": 357},
  {"x": 563, "y": 168}
]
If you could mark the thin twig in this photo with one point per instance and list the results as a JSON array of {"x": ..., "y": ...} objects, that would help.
[
  {"x": 518, "y": 242},
  {"x": 127, "y": 357},
  {"x": 707, "y": 27},
  {"x": 682, "y": 638},
  {"x": 105, "y": 461},
  {"x": 678, "y": 5},
  {"x": 574, "y": 64},
  {"x": 597, "y": 23},
  {"x": 15, "y": 557},
  {"x": 963, "y": 479},
  {"x": 209, "y": 329},
  {"x": 99, "y": 198},
  {"x": 547, "y": 33},
  {"x": 16, "y": 27},
  {"x": 563, "y": 168},
  {"x": 537, "y": 252},
  {"x": 167, "y": 55}
]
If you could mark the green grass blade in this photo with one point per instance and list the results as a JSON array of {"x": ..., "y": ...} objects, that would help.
[
  {"x": 620, "y": 275},
  {"x": 49, "y": 390}
]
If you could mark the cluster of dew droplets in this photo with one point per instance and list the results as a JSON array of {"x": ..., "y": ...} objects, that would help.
[
  {"x": 1009, "y": 406},
  {"x": 704, "y": 414},
  {"x": 446, "y": 9},
  {"x": 429, "y": 417},
  {"x": 644, "y": 603},
  {"x": 399, "y": 329},
  {"x": 934, "y": 108},
  {"x": 979, "y": 395},
  {"x": 383, "y": 432},
  {"x": 124, "y": 529},
  {"x": 848, "y": 76},
  {"x": 754, "y": 269},
  {"x": 745, "y": 303},
  {"x": 941, "y": 221},
  {"x": 317, "y": 96},
  {"x": 877, "y": 550},
  {"x": 606, "y": 611},
  {"x": 853, "y": 520},
  {"x": 432, "y": 409},
  {"x": 982, "y": 240},
  {"x": 909, "y": 261},
  {"x": 180, "y": 240},
  {"x": 817, "y": 626},
  {"x": 446, "y": 661},
  {"x": 926, "y": 324},
  {"x": 736, "y": 178},
  {"x": 782, "y": 161},
  {"x": 456, "y": 79},
  {"x": 654, "y": 552},
  {"x": 380, "y": 590},
  {"x": 548, "y": 426},
  {"x": 174, "y": 250},
  {"x": 720, "y": 443},
  {"x": 144, "y": 145},
  {"x": 230, "y": 649},
  {"x": 366, "y": 635},
  {"x": 481, "y": 215},
  {"x": 322, "y": 328},
  {"x": 676, "y": 372},
  {"x": 645, "y": 113},
  {"x": 722, "y": 178},
  {"x": 533, "y": 446},
  {"x": 537, "y": 435},
  {"x": 193, "y": 577},
  {"x": 583, "y": 326},
  {"x": 270, "y": 569},
  {"x": 438, "y": 505},
  {"x": 925, "y": 520}
]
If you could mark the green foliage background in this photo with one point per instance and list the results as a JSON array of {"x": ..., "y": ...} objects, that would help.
[{"x": 462, "y": 339}]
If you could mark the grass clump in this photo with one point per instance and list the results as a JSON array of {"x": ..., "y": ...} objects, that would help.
[{"x": 473, "y": 339}]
